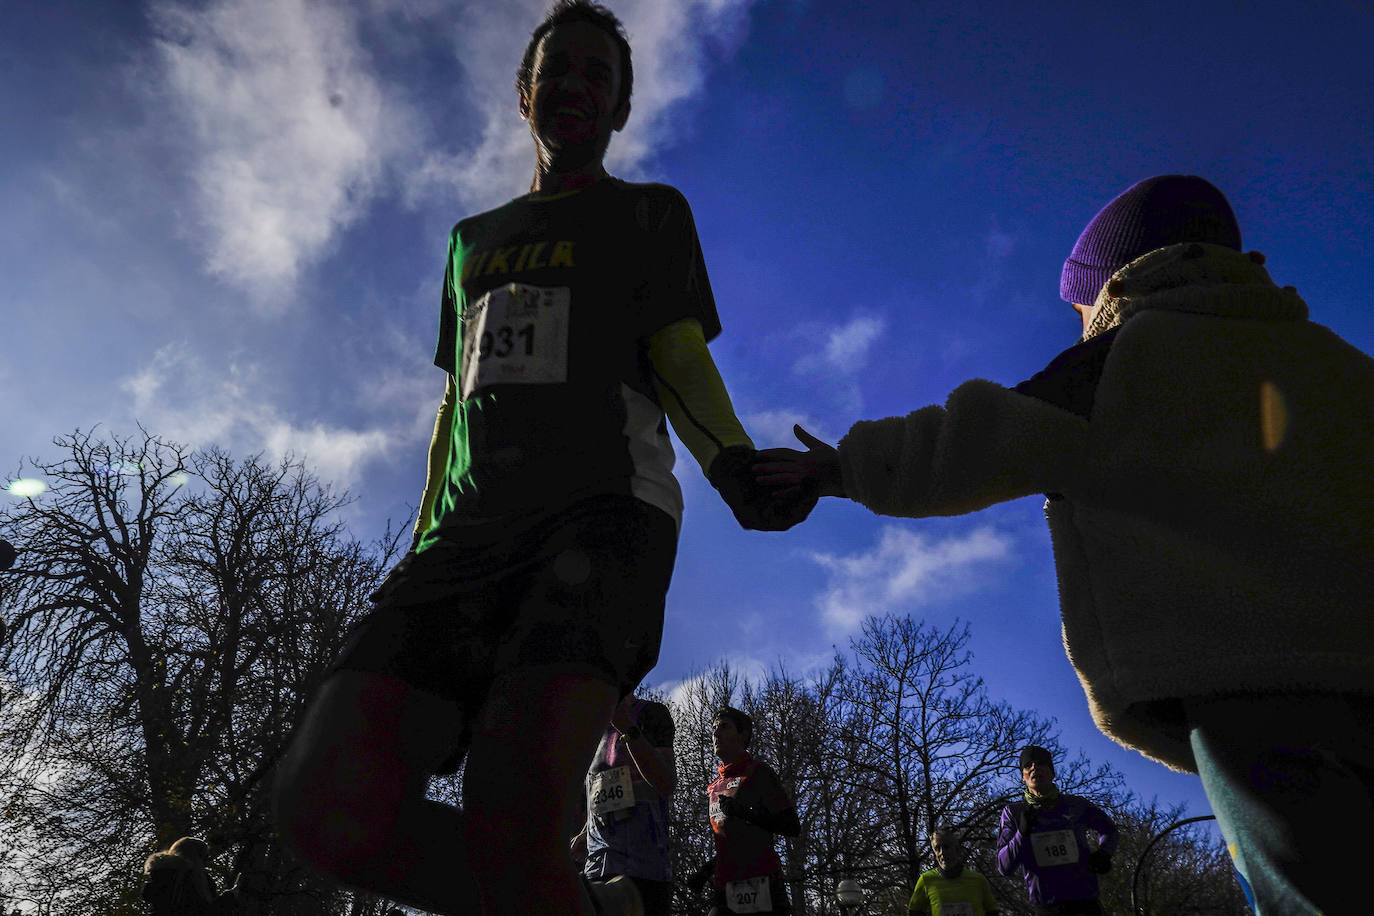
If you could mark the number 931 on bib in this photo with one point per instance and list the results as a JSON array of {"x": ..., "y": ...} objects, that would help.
[{"x": 515, "y": 335}]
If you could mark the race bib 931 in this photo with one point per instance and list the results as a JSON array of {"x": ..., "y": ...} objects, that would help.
[{"x": 515, "y": 335}]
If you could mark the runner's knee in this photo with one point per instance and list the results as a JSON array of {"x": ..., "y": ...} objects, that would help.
[{"x": 345, "y": 782}]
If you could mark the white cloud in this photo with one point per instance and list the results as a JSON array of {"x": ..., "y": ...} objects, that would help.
[
  {"x": 846, "y": 347},
  {"x": 287, "y": 127},
  {"x": 905, "y": 570},
  {"x": 292, "y": 126},
  {"x": 773, "y": 428},
  {"x": 178, "y": 396}
]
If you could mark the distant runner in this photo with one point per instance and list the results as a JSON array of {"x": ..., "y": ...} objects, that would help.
[
  {"x": 1044, "y": 835},
  {"x": 951, "y": 889},
  {"x": 628, "y": 787},
  {"x": 748, "y": 806}
]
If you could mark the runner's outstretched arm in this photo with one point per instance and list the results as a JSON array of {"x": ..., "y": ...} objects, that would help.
[
  {"x": 438, "y": 461},
  {"x": 693, "y": 393},
  {"x": 696, "y": 402}
]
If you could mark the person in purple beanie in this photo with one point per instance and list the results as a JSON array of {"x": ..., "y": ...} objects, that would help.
[
  {"x": 1044, "y": 835},
  {"x": 1205, "y": 453}
]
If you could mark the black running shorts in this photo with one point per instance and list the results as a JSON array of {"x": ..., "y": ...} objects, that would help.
[{"x": 581, "y": 590}]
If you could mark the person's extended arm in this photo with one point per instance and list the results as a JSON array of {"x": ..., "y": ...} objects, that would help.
[
  {"x": 1100, "y": 859},
  {"x": 1010, "y": 844},
  {"x": 697, "y": 404},
  {"x": 438, "y": 461},
  {"x": 655, "y": 764},
  {"x": 986, "y": 445},
  {"x": 693, "y": 394}
]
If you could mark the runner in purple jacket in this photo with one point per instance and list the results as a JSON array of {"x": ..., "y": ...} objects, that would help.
[{"x": 1045, "y": 835}]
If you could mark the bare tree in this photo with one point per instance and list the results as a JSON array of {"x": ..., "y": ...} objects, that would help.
[{"x": 168, "y": 619}]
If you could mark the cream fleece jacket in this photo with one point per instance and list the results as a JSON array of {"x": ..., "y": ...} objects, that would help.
[{"x": 1215, "y": 532}]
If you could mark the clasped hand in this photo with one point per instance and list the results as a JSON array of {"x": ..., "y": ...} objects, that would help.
[
  {"x": 775, "y": 489},
  {"x": 787, "y": 471}
]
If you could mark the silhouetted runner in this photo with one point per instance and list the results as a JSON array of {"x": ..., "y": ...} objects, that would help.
[{"x": 532, "y": 600}]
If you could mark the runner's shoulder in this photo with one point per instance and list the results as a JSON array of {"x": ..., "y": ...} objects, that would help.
[
  {"x": 657, "y": 206},
  {"x": 472, "y": 225}
]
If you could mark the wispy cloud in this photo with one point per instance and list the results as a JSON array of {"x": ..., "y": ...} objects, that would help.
[
  {"x": 293, "y": 128},
  {"x": 179, "y": 396},
  {"x": 846, "y": 347},
  {"x": 905, "y": 570},
  {"x": 773, "y": 428},
  {"x": 287, "y": 127},
  {"x": 751, "y": 669}
]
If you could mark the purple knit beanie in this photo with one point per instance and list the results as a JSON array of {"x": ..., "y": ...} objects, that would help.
[{"x": 1153, "y": 213}]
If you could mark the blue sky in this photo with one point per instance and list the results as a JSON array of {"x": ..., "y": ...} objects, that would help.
[{"x": 227, "y": 219}]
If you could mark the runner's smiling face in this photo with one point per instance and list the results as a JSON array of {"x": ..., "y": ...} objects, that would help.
[
  {"x": 574, "y": 88},
  {"x": 949, "y": 854}
]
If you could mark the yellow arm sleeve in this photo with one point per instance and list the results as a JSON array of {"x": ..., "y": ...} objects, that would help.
[
  {"x": 692, "y": 392},
  {"x": 438, "y": 459}
]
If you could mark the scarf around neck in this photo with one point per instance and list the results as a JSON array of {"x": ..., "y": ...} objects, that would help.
[
  {"x": 1047, "y": 800},
  {"x": 735, "y": 769}
]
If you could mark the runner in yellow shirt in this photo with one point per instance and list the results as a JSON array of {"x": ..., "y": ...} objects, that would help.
[{"x": 950, "y": 889}]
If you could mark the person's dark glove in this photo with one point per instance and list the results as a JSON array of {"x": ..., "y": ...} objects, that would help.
[
  {"x": 1026, "y": 821},
  {"x": 756, "y": 507},
  {"x": 1099, "y": 861},
  {"x": 733, "y": 807}
]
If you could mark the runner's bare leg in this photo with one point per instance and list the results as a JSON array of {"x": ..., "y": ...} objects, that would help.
[
  {"x": 350, "y": 793},
  {"x": 529, "y": 752}
]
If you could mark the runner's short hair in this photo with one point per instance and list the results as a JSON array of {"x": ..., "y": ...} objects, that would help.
[
  {"x": 946, "y": 830},
  {"x": 565, "y": 11},
  {"x": 166, "y": 860},
  {"x": 191, "y": 846},
  {"x": 739, "y": 718}
]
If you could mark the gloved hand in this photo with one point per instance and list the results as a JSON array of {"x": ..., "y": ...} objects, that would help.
[
  {"x": 756, "y": 507},
  {"x": 1027, "y": 820},
  {"x": 1099, "y": 862},
  {"x": 732, "y": 807}
]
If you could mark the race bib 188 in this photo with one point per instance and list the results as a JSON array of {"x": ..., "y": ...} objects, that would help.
[
  {"x": 752, "y": 895},
  {"x": 611, "y": 790},
  {"x": 515, "y": 335},
  {"x": 1054, "y": 847}
]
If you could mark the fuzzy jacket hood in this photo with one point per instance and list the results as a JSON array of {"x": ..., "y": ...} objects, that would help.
[{"x": 1197, "y": 278}]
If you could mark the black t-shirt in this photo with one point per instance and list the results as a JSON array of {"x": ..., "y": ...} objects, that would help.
[{"x": 547, "y": 309}]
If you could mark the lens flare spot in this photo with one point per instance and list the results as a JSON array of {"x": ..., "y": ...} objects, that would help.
[
  {"x": 179, "y": 479},
  {"x": 1273, "y": 416},
  {"x": 26, "y": 487}
]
